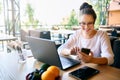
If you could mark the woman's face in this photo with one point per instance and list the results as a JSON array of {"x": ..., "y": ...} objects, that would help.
[{"x": 87, "y": 23}]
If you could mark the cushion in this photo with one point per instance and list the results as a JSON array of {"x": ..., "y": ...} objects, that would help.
[{"x": 116, "y": 51}]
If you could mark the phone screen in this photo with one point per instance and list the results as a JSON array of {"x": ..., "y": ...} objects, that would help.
[{"x": 85, "y": 50}]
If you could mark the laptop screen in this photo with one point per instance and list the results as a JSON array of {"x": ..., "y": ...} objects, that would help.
[{"x": 44, "y": 50}]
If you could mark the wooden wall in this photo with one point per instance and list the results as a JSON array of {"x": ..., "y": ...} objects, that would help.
[
  {"x": 114, "y": 17},
  {"x": 114, "y": 12}
]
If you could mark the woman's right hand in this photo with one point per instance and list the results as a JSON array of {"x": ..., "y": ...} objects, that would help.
[{"x": 74, "y": 50}]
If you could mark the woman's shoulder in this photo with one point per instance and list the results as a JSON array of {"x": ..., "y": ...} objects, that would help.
[{"x": 100, "y": 32}]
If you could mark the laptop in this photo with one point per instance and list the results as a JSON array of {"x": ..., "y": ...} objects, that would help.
[{"x": 45, "y": 50}]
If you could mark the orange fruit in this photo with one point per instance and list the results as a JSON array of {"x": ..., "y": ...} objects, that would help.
[
  {"x": 47, "y": 76},
  {"x": 55, "y": 70}
]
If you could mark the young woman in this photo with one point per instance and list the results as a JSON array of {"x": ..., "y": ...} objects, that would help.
[{"x": 87, "y": 37}]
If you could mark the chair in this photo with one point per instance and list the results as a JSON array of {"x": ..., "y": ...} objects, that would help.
[
  {"x": 23, "y": 34},
  {"x": 116, "y": 50},
  {"x": 45, "y": 35},
  {"x": 112, "y": 39},
  {"x": 115, "y": 44},
  {"x": 40, "y": 34}
]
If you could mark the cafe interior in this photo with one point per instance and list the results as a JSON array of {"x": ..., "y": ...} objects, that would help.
[{"x": 15, "y": 46}]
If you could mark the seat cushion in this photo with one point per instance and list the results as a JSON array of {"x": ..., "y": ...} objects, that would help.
[
  {"x": 116, "y": 51},
  {"x": 112, "y": 39}
]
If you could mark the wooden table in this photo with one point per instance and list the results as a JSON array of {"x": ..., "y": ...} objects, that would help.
[
  {"x": 5, "y": 37},
  {"x": 10, "y": 69}
]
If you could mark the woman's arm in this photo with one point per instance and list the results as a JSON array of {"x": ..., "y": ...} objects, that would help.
[
  {"x": 106, "y": 50},
  {"x": 100, "y": 60},
  {"x": 90, "y": 59},
  {"x": 65, "y": 49}
]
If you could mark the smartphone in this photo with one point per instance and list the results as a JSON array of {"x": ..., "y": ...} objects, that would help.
[
  {"x": 84, "y": 73},
  {"x": 85, "y": 50}
]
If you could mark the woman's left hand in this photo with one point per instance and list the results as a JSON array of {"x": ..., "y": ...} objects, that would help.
[{"x": 85, "y": 58}]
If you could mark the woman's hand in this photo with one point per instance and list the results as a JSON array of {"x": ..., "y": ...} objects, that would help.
[
  {"x": 74, "y": 50},
  {"x": 85, "y": 58}
]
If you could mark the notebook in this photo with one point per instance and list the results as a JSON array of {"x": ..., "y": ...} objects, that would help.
[{"x": 45, "y": 50}]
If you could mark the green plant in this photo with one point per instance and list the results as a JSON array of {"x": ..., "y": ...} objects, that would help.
[
  {"x": 30, "y": 15},
  {"x": 72, "y": 20},
  {"x": 100, "y": 7}
]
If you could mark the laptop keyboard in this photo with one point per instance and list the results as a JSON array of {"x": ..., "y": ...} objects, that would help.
[{"x": 66, "y": 61}]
